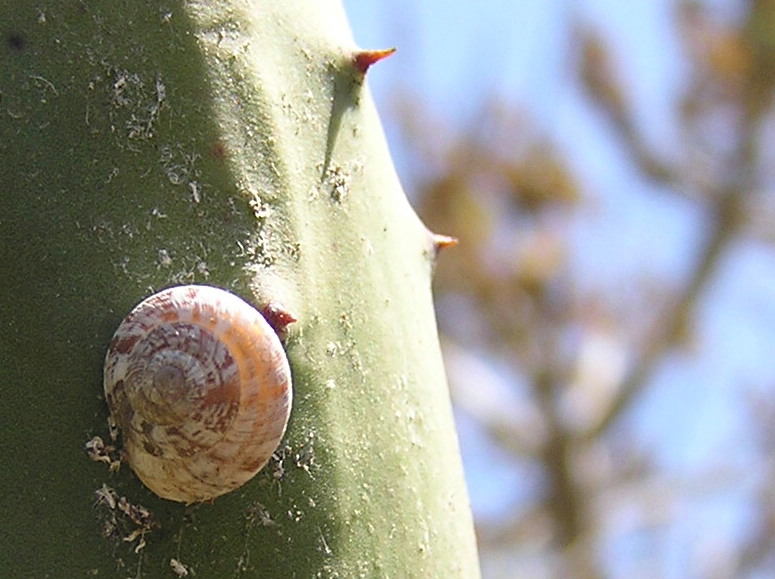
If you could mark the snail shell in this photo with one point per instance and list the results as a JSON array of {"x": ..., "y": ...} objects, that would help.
[{"x": 199, "y": 385}]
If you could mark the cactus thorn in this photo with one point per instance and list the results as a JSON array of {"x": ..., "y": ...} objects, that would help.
[
  {"x": 365, "y": 58},
  {"x": 442, "y": 242},
  {"x": 277, "y": 316}
]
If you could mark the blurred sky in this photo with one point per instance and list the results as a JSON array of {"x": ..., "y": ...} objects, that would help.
[{"x": 456, "y": 55}]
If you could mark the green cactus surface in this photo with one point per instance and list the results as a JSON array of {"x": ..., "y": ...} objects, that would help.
[{"x": 230, "y": 143}]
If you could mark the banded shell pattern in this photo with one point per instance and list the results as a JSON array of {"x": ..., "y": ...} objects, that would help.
[{"x": 199, "y": 385}]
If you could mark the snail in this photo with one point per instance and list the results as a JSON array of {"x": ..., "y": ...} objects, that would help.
[{"x": 198, "y": 384}]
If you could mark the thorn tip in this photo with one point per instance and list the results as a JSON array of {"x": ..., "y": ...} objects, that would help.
[
  {"x": 365, "y": 58},
  {"x": 443, "y": 241}
]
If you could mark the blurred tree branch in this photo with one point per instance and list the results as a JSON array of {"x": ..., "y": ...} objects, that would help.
[{"x": 512, "y": 196}]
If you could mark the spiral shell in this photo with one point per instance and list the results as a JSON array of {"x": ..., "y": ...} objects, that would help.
[{"x": 199, "y": 385}]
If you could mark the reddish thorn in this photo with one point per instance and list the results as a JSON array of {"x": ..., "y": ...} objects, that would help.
[
  {"x": 277, "y": 316},
  {"x": 442, "y": 242},
  {"x": 219, "y": 151},
  {"x": 365, "y": 58}
]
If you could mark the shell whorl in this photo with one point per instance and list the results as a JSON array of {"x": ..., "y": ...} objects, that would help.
[{"x": 199, "y": 385}]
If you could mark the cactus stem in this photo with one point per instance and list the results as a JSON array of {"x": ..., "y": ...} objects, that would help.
[{"x": 365, "y": 58}]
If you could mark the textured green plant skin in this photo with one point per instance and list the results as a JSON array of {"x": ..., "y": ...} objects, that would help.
[{"x": 147, "y": 144}]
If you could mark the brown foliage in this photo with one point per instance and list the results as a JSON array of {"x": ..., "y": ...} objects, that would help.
[{"x": 582, "y": 358}]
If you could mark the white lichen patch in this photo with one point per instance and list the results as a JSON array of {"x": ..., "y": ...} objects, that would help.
[
  {"x": 305, "y": 457},
  {"x": 163, "y": 258},
  {"x": 196, "y": 191},
  {"x": 277, "y": 468},
  {"x": 257, "y": 516},
  {"x": 136, "y": 101},
  {"x": 98, "y": 451},
  {"x": 121, "y": 519},
  {"x": 338, "y": 181},
  {"x": 178, "y": 568},
  {"x": 179, "y": 165}
]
